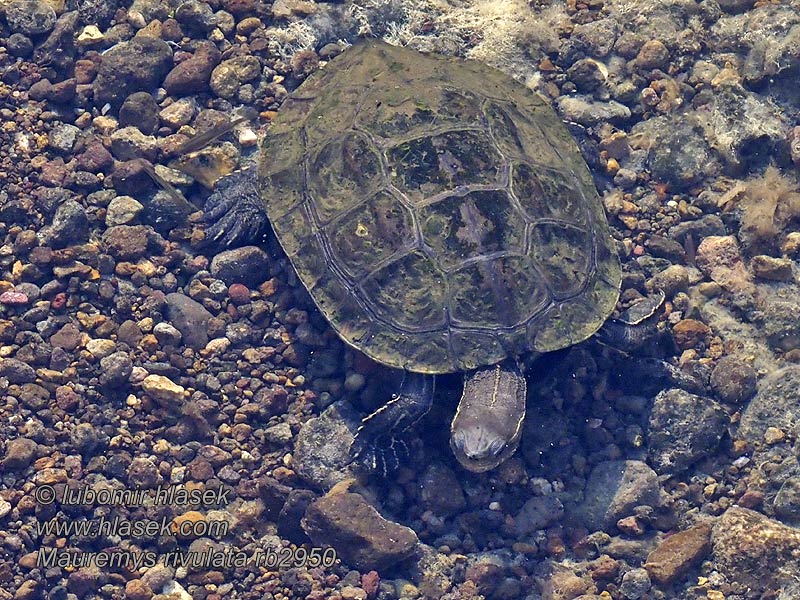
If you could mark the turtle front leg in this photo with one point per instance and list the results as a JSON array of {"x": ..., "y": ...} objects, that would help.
[
  {"x": 378, "y": 443},
  {"x": 235, "y": 212}
]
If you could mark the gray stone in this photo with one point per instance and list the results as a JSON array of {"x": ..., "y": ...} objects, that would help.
[
  {"x": 614, "y": 489},
  {"x": 776, "y": 404},
  {"x": 441, "y": 491},
  {"x": 537, "y": 513},
  {"x": 682, "y": 429},
  {"x": 115, "y": 370},
  {"x": 190, "y": 318},
  {"x": 123, "y": 210},
  {"x": 62, "y": 137},
  {"x": 279, "y": 434},
  {"x": 31, "y": 17},
  {"x": 137, "y": 65},
  {"x": 129, "y": 143},
  {"x": 140, "y": 110},
  {"x": 70, "y": 225},
  {"x": 196, "y": 16},
  {"x": 229, "y": 75},
  {"x": 733, "y": 379},
  {"x": 321, "y": 453},
  {"x": 584, "y": 110},
  {"x": 248, "y": 265},
  {"x": 635, "y": 584}
]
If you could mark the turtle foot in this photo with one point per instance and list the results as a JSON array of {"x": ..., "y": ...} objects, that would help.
[
  {"x": 379, "y": 444},
  {"x": 235, "y": 213},
  {"x": 383, "y": 457}
]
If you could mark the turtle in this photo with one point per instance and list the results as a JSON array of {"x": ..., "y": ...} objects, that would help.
[{"x": 443, "y": 220}]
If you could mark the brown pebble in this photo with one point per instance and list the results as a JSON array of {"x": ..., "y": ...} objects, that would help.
[
  {"x": 136, "y": 589},
  {"x": 689, "y": 332},
  {"x": 653, "y": 55},
  {"x": 239, "y": 293},
  {"x": 678, "y": 553},
  {"x": 604, "y": 567}
]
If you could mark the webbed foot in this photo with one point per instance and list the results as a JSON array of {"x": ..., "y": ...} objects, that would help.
[
  {"x": 235, "y": 212},
  {"x": 379, "y": 444}
]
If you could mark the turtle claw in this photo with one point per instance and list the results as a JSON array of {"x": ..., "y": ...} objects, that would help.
[
  {"x": 234, "y": 212},
  {"x": 383, "y": 458}
]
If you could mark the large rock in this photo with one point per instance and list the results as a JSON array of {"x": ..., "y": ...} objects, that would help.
[
  {"x": 755, "y": 551},
  {"x": 321, "y": 454},
  {"x": 137, "y": 65},
  {"x": 683, "y": 428},
  {"x": 678, "y": 553},
  {"x": 614, "y": 489},
  {"x": 358, "y": 533},
  {"x": 776, "y": 404}
]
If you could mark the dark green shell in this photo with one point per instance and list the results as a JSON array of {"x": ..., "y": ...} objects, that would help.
[{"x": 438, "y": 212}]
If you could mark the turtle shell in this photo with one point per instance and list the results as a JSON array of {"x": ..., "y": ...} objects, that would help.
[{"x": 438, "y": 212}]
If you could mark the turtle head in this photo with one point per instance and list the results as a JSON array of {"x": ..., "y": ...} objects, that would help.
[{"x": 488, "y": 422}]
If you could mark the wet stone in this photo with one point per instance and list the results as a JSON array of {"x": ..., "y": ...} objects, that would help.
[
  {"x": 123, "y": 210},
  {"x": 62, "y": 137},
  {"x": 70, "y": 225},
  {"x": 755, "y": 551},
  {"x": 20, "y": 452},
  {"x": 95, "y": 158},
  {"x": 19, "y": 45},
  {"x": 537, "y": 513},
  {"x": 248, "y": 265},
  {"x": 17, "y": 371},
  {"x": 31, "y": 17},
  {"x": 441, "y": 491},
  {"x": 586, "y": 111},
  {"x": 190, "y": 318},
  {"x": 772, "y": 269},
  {"x": 68, "y": 337},
  {"x": 321, "y": 453},
  {"x": 229, "y": 75},
  {"x": 733, "y": 380},
  {"x": 86, "y": 438},
  {"x": 140, "y": 110},
  {"x": 360, "y": 535},
  {"x": 614, "y": 488},
  {"x": 126, "y": 242},
  {"x": 671, "y": 280},
  {"x": 197, "y": 16},
  {"x": 192, "y": 75},
  {"x": 166, "y": 334},
  {"x": 34, "y": 396},
  {"x": 116, "y": 370},
  {"x": 129, "y": 143},
  {"x": 780, "y": 323},
  {"x": 586, "y": 75},
  {"x": 143, "y": 474},
  {"x": 137, "y": 65},
  {"x": 635, "y": 584},
  {"x": 165, "y": 392},
  {"x": 678, "y": 553},
  {"x": 775, "y": 404},
  {"x": 653, "y": 55},
  {"x": 683, "y": 428},
  {"x": 179, "y": 113}
]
